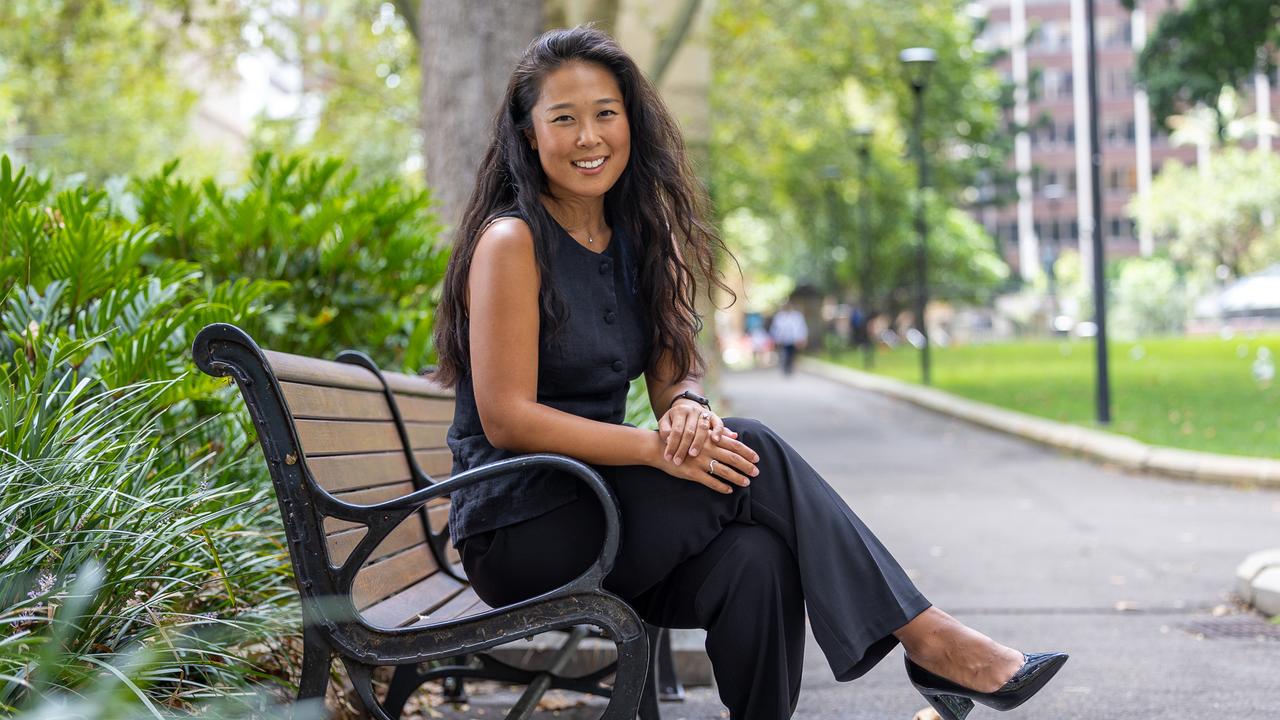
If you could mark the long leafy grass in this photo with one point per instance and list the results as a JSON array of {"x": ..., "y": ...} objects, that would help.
[{"x": 1211, "y": 394}]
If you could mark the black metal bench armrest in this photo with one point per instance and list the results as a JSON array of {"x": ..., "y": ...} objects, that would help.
[{"x": 382, "y": 518}]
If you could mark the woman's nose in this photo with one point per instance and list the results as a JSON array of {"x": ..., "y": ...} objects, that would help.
[{"x": 588, "y": 136}]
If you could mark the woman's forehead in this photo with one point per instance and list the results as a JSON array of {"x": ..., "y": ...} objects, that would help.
[{"x": 578, "y": 83}]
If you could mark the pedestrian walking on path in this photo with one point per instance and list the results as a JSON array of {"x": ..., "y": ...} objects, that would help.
[
  {"x": 791, "y": 333},
  {"x": 573, "y": 273}
]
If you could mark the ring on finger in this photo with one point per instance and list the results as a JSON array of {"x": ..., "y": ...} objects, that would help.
[{"x": 711, "y": 468}]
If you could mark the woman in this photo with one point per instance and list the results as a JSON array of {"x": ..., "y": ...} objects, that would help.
[{"x": 574, "y": 272}]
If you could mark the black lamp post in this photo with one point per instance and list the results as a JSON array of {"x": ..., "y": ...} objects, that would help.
[
  {"x": 918, "y": 63},
  {"x": 1103, "y": 375},
  {"x": 862, "y": 142}
]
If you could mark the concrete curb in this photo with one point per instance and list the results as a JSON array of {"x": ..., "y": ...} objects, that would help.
[
  {"x": 1258, "y": 581},
  {"x": 1099, "y": 445}
]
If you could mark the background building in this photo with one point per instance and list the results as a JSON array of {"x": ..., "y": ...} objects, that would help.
[{"x": 1041, "y": 49}]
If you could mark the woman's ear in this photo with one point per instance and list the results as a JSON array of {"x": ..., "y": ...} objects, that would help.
[{"x": 533, "y": 139}]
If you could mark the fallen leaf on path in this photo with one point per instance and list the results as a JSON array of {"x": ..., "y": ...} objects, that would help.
[{"x": 558, "y": 701}]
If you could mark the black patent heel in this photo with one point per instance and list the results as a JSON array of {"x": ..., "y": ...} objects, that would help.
[
  {"x": 949, "y": 707},
  {"x": 954, "y": 701}
]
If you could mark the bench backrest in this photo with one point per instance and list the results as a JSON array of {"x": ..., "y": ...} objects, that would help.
[{"x": 332, "y": 426}]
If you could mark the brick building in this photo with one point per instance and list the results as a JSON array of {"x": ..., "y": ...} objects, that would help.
[{"x": 1044, "y": 55}]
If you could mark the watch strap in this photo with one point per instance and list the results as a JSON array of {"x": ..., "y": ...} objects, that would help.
[{"x": 690, "y": 395}]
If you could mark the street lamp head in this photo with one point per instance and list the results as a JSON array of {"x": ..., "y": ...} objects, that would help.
[{"x": 918, "y": 62}]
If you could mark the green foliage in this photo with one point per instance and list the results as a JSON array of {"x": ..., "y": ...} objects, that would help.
[
  {"x": 109, "y": 457},
  {"x": 95, "y": 87},
  {"x": 1218, "y": 216},
  {"x": 1150, "y": 299},
  {"x": 366, "y": 59},
  {"x": 1145, "y": 296},
  {"x": 359, "y": 264},
  {"x": 1197, "y": 50},
  {"x": 118, "y": 690},
  {"x": 790, "y": 85}
]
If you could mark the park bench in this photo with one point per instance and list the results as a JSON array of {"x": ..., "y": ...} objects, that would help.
[{"x": 359, "y": 464}]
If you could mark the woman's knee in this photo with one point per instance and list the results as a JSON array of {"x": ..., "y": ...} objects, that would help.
[{"x": 747, "y": 428}]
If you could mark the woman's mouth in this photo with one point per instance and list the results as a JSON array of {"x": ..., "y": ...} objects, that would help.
[{"x": 591, "y": 166}]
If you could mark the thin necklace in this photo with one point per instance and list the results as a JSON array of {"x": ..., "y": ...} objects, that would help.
[{"x": 590, "y": 239}]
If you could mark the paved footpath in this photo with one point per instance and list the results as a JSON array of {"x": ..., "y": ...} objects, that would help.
[{"x": 1040, "y": 550}]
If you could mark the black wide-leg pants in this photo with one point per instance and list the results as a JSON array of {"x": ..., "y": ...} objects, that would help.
[{"x": 744, "y": 566}]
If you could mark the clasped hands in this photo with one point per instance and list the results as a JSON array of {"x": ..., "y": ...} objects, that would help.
[{"x": 697, "y": 446}]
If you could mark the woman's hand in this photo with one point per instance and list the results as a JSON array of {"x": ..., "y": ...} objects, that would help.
[
  {"x": 685, "y": 427},
  {"x": 718, "y": 465}
]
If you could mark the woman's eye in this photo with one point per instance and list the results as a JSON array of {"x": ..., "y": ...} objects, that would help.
[
  {"x": 562, "y": 117},
  {"x": 611, "y": 112}
]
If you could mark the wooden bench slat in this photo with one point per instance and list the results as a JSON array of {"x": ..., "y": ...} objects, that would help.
[
  {"x": 392, "y": 575},
  {"x": 427, "y": 436},
  {"x": 406, "y": 535},
  {"x": 288, "y": 367},
  {"x": 438, "y": 517},
  {"x": 312, "y": 371},
  {"x": 336, "y": 437},
  {"x": 420, "y": 598},
  {"x": 341, "y": 437},
  {"x": 417, "y": 385},
  {"x": 463, "y": 604},
  {"x": 316, "y": 402},
  {"x": 339, "y": 473},
  {"x": 337, "y": 403},
  {"x": 336, "y": 473},
  {"x": 437, "y": 463},
  {"x": 415, "y": 408}
]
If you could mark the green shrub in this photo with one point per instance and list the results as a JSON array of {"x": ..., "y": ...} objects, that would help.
[
  {"x": 116, "y": 454},
  {"x": 361, "y": 265},
  {"x": 111, "y": 451}
]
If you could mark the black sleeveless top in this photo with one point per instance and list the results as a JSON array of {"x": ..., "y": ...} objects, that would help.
[{"x": 585, "y": 370}]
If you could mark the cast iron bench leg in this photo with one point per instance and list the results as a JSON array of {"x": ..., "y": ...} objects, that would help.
[
  {"x": 669, "y": 687},
  {"x": 528, "y": 702}
]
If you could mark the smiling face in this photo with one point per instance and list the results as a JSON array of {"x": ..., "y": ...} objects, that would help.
[{"x": 580, "y": 130}]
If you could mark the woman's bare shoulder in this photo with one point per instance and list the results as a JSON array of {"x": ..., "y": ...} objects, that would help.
[
  {"x": 505, "y": 250},
  {"x": 504, "y": 235}
]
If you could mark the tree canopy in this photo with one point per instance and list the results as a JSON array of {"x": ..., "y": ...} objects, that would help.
[
  {"x": 1199, "y": 49},
  {"x": 791, "y": 84}
]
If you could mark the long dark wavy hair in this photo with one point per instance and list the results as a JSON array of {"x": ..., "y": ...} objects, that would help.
[{"x": 657, "y": 200}]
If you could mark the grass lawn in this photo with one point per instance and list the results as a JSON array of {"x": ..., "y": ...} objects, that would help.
[{"x": 1193, "y": 393}]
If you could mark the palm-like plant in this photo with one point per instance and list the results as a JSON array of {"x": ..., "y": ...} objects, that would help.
[{"x": 106, "y": 456}]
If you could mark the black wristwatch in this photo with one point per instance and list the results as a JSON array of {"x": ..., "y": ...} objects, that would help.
[{"x": 691, "y": 395}]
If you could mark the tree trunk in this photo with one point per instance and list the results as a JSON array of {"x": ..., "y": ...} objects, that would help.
[{"x": 468, "y": 50}]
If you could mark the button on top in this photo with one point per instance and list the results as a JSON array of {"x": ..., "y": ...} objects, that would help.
[
  {"x": 605, "y": 267},
  {"x": 610, "y": 316},
  {"x": 617, "y": 366}
]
